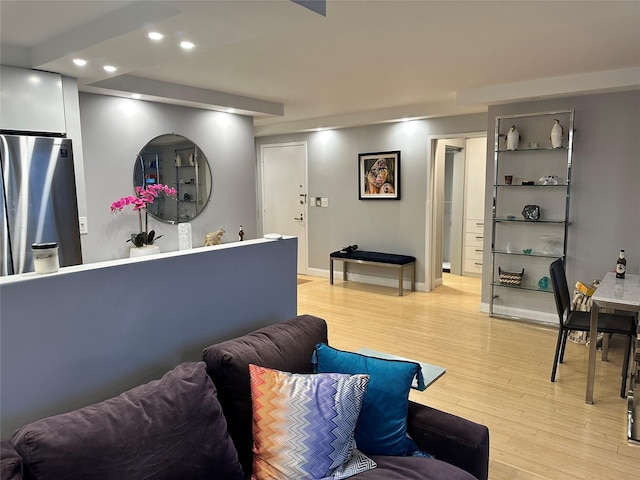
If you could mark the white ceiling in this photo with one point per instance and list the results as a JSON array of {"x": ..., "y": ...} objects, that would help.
[{"x": 365, "y": 62}]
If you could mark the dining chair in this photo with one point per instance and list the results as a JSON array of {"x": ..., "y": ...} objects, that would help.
[{"x": 581, "y": 321}]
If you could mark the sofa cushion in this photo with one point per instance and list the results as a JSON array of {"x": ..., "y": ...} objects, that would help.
[
  {"x": 303, "y": 425},
  {"x": 285, "y": 346},
  {"x": 166, "y": 429},
  {"x": 10, "y": 462},
  {"x": 382, "y": 427},
  {"x": 413, "y": 468}
]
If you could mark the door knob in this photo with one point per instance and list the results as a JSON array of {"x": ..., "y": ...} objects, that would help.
[{"x": 298, "y": 218}]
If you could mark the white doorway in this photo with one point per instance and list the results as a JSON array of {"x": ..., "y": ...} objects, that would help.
[
  {"x": 284, "y": 193},
  {"x": 456, "y": 212}
]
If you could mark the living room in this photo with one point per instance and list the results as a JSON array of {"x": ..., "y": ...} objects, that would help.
[{"x": 110, "y": 130}]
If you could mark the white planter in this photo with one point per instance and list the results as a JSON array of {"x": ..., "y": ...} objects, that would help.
[{"x": 143, "y": 251}]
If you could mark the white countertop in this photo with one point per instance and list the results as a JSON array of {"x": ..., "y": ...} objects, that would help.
[{"x": 624, "y": 291}]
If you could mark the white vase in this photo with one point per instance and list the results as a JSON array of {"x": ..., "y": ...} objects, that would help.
[
  {"x": 557, "y": 134},
  {"x": 513, "y": 138},
  {"x": 143, "y": 251}
]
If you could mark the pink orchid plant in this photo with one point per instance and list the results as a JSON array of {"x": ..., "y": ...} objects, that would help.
[{"x": 140, "y": 202}]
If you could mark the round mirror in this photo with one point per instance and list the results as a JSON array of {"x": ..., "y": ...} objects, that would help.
[{"x": 175, "y": 161}]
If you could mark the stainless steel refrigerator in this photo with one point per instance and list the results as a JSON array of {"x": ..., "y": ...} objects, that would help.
[{"x": 39, "y": 201}]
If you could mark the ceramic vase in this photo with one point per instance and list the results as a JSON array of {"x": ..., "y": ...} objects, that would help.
[
  {"x": 557, "y": 133},
  {"x": 513, "y": 138}
]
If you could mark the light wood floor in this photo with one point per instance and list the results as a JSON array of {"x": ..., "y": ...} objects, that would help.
[{"x": 497, "y": 374}]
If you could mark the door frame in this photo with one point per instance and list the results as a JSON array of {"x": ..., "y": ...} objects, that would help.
[
  {"x": 434, "y": 218},
  {"x": 261, "y": 215}
]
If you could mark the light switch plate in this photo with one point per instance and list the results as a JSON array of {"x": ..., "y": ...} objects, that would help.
[
  {"x": 324, "y": 202},
  {"x": 312, "y": 201},
  {"x": 84, "y": 229}
]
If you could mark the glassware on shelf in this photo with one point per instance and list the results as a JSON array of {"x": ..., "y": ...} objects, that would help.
[{"x": 551, "y": 245}]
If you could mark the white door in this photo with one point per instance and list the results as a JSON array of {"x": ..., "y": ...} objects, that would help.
[{"x": 284, "y": 194}]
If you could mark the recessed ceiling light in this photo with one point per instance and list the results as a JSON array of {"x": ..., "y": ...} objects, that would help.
[
  {"x": 79, "y": 62},
  {"x": 187, "y": 45},
  {"x": 109, "y": 68},
  {"x": 136, "y": 96},
  {"x": 155, "y": 35}
]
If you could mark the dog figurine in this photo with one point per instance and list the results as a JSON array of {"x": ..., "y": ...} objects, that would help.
[{"x": 214, "y": 238}]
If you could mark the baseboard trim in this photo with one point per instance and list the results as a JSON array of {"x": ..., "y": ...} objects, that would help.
[{"x": 514, "y": 313}]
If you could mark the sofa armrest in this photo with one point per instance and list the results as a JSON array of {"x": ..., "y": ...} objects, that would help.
[
  {"x": 451, "y": 439},
  {"x": 10, "y": 462}
]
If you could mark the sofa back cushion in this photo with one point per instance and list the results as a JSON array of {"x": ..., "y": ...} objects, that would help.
[
  {"x": 286, "y": 346},
  {"x": 166, "y": 429}
]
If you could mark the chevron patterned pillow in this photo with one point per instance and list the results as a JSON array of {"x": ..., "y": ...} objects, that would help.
[{"x": 303, "y": 425}]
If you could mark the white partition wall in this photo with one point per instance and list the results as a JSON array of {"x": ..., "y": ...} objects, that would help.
[{"x": 92, "y": 331}]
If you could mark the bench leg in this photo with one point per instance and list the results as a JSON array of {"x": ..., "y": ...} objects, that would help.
[
  {"x": 344, "y": 271},
  {"x": 331, "y": 271},
  {"x": 401, "y": 280},
  {"x": 413, "y": 277}
]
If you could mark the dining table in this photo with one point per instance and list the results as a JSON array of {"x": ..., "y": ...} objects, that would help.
[{"x": 616, "y": 293}]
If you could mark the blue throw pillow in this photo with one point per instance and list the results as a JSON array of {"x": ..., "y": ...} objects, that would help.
[{"x": 382, "y": 425}]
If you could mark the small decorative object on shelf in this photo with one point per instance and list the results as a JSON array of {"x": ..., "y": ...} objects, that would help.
[
  {"x": 526, "y": 251},
  {"x": 621, "y": 265},
  {"x": 214, "y": 238},
  {"x": 510, "y": 278},
  {"x": 508, "y": 179},
  {"x": 140, "y": 203},
  {"x": 549, "y": 180},
  {"x": 241, "y": 233},
  {"x": 552, "y": 245},
  {"x": 531, "y": 212},
  {"x": 543, "y": 283},
  {"x": 557, "y": 134},
  {"x": 513, "y": 138}
]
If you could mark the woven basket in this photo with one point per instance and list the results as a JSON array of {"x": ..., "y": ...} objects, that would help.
[{"x": 510, "y": 278}]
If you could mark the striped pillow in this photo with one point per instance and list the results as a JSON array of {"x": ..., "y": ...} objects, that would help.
[{"x": 303, "y": 425}]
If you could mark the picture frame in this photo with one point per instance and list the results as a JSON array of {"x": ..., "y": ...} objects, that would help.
[{"x": 379, "y": 175}]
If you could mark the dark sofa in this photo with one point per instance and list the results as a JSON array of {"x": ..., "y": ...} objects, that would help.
[{"x": 176, "y": 427}]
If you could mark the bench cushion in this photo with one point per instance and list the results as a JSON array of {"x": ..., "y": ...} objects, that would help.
[{"x": 375, "y": 257}]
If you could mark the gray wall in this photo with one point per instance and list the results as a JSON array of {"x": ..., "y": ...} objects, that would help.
[
  {"x": 605, "y": 190},
  {"x": 387, "y": 226},
  {"x": 92, "y": 331},
  {"x": 115, "y": 129}
]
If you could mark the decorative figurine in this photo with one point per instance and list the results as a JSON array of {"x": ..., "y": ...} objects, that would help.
[
  {"x": 214, "y": 238},
  {"x": 241, "y": 233},
  {"x": 513, "y": 138},
  {"x": 557, "y": 134},
  {"x": 549, "y": 180}
]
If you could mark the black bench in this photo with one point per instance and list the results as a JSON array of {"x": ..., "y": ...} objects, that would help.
[{"x": 398, "y": 262}]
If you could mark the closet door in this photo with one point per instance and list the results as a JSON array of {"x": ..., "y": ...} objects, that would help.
[{"x": 474, "y": 205}]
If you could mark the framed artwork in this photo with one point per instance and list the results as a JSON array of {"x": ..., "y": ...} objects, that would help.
[{"x": 379, "y": 175}]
